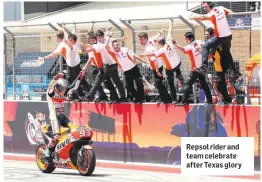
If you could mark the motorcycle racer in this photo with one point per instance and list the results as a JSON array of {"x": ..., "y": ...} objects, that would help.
[{"x": 56, "y": 96}]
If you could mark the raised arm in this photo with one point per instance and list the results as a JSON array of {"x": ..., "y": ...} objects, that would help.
[
  {"x": 169, "y": 33},
  {"x": 140, "y": 59},
  {"x": 65, "y": 32},
  {"x": 121, "y": 39},
  {"x": 199, "y": 17},
  {"x": 158, "y": 34},
  {"x": 91, "y": 29},
  {"x": 51, "y": 86},
  {"x": 227, "y": 11},
  {"x": 181, "y": 48},
  {"x": 147, "y": 54},
  {"x": 49, "y": 56},
  {"x": 108, "y": 32},
  {"x": 88, "y": 48}
]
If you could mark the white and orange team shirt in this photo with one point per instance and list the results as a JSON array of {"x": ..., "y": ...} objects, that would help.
[
  {"x": 194, "y": 51},
  {"x": 169, "y": 56},
  {"x": 125, "y": 59},
  {"x": 71, "y": 55},
  {"x": 150, "y": 47},
  {"x": 218, "y": 18},
  {"x": 108, "y": 57},
  {"x": 106, "y": 39},
  {"x": 97, "y": 59}
]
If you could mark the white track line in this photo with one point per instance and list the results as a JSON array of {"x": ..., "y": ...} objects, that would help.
[{"x": 115, "y": 162}]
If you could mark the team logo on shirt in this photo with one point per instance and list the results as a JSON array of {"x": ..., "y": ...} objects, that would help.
[
  {"x": 219, "y": 14},
  {"x": 197, "y": 50}
]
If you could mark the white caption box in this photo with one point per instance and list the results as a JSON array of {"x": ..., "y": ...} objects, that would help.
[{"x": 196, "y": 161}]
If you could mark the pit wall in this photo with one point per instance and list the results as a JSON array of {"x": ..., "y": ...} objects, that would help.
[{"x": 147, "y": 133}]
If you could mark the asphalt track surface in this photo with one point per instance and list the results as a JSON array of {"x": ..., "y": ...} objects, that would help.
[{"x": 28, "y": 171}]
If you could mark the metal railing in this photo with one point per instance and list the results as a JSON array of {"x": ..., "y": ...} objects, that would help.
[{"x": 27, "y": 42}]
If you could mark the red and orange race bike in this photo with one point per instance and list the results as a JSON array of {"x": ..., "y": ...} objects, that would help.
[{"x": 73, "y": 150}]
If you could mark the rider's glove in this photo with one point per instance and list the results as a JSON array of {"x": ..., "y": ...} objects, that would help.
[
  {"x": 59, "y": 75},
  {"x": 82, "y": 75}
]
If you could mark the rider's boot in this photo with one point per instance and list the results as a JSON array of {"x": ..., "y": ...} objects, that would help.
[{"x": 50, "y": 148}]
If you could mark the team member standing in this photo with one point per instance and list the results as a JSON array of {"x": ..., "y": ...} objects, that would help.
[
  {"x": 96, "y": 60},
  {"x": 217, "y": 15},
  {"x": 220, "y": 67},
  {"x": 69, "y": 49},
  {"x": 103, "y": 38},
  {"x": 61, "y": 42},
  {"x": 110, "y": 69},
  {"x": 193, "y": 49},
  {"x": 131, "y": 71},
  {"x": 172, "y": 64},
  {"x": 156, "y": 64}
]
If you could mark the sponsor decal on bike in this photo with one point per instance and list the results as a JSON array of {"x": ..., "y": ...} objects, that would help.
[{"x": 63, "y": 144}]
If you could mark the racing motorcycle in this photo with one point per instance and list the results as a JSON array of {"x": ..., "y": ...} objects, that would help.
[{"x": 73, "y": 150}]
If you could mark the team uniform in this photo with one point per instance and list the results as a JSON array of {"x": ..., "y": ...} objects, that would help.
[
  {"x": 220, "y": 73},
  {"x": 131, "y": 72},
  {"x": 194, "y": 52},
  {"x": 224, "y": 36},
  {"x": 72, "y": 59},
  {"x": 150, "y": 47},
  {"x": 97, "y": 65},
  {"x": 109, "y": 71},
  {"x": 172, "y": 64}
]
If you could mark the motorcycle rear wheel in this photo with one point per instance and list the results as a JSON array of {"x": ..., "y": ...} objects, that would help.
[
  {"x": 43, "y": 166},
  {"x": 86, "y": 164}
]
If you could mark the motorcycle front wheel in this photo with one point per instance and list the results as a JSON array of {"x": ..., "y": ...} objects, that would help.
[
  {"x": 86, "y": 162},
  {"x": 43, "y": 166}
]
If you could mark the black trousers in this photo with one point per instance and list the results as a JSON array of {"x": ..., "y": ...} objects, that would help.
[
  {"x": 213, "y": 43},
  {"x": 131, "y": 76},
  {"x": 101, "y": 92},
  {"x": 193, "y": 76},
  {"x": 163, "y": 93},
  {"x": 170, "y": 80},
  {"x": 105, "y": 75},
  {"x": 222, "y": 86},
  {"x": 73, "y": 73}
]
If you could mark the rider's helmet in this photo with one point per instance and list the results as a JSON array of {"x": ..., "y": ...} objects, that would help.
[{"x": 61, "y": 86}]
